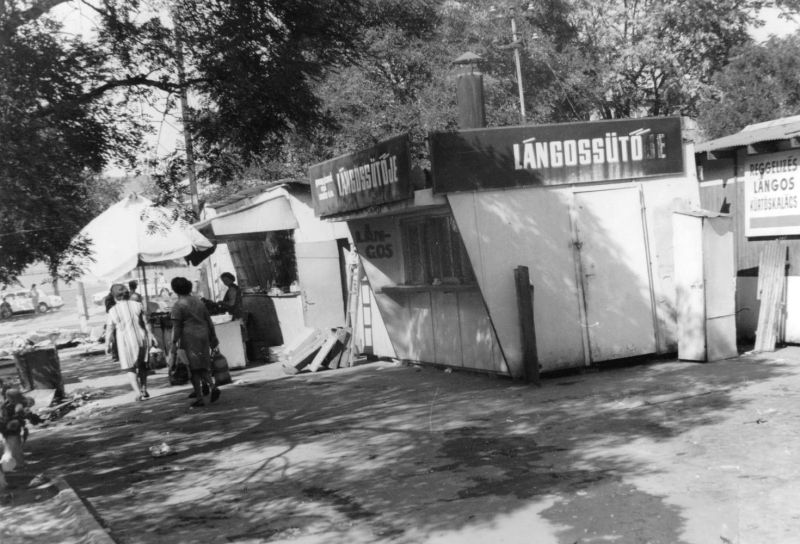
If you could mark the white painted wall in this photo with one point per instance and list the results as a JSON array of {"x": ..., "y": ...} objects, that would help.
[
  {"x": 531, "y": 226},
  {"x": 792, "y": 334}
]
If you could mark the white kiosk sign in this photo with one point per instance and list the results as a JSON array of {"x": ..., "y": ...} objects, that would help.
[{"x": 772, "y": 194}]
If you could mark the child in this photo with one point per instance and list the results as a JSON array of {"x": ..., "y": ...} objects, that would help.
[{"x": 14, "y": 414}]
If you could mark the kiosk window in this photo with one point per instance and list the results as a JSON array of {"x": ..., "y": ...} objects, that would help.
[{"x": 433, "y": 250}]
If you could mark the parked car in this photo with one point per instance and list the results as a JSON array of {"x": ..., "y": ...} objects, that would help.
[
  {"x": 99, "y": 298},
  {"x": 20, "y": 302}
]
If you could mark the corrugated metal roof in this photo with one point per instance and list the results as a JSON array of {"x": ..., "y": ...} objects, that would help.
[
  {"x": 252, "y": 191},
  {"x": 768, "y": 131}
]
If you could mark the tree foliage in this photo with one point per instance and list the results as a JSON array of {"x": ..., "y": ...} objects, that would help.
[
  {"x": 64, "y": 100},
  {"x": 55, "y": 142},
  {"x": 580, "y": 60},
  {"x": 279, "y": 84},
  {"x": 760, "y": 83}
]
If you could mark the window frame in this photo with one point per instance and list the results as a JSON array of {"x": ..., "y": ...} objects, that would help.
[{"x": 434, "y": 250}]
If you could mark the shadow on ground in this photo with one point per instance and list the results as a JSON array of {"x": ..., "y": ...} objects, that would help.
[{"x": 394, "y": 454}]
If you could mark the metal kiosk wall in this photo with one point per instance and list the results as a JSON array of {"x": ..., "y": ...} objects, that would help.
[{"x": 587, "y": 207}]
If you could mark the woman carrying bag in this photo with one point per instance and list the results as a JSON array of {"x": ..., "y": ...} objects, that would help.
[
  {"x": 193, "y": 333},
  {"x": 127, "y": 324}
]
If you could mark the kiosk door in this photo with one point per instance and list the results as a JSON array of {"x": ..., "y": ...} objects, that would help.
[
  {"x": 319, "y": 272},
  {"x": 614, "y": 270}
]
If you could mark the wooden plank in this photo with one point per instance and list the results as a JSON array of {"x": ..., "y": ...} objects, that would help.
[
  {"x": 764, "y": 294},
  {"x": 771, "y": 284},
  {"x": 326, "y": 348},
  {"x": 776, "y": 296},
  {"x": 335, "y": 361},
  {"x": 300, "y": 355},
  {"x": 351, "y": 319},
  {"x": 530, "y": 357},
  {"x": 343, "y": 336}
]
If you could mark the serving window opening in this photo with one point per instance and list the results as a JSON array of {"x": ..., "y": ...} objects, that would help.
[{"x": 433, "y": 252}]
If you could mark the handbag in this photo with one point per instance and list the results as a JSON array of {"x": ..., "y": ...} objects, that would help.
[
  {"x": 219, "y": 366},
  {"x": 179, "y": 367},
  {"x": 156, "y": 359}
]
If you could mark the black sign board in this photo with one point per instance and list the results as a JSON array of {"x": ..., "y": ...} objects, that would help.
[
  {"x": 494, "y": 158},
  {"x": 363, "y": 179}
]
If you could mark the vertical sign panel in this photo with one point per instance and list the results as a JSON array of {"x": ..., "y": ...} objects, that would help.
[{"x": 771, "y": 191}]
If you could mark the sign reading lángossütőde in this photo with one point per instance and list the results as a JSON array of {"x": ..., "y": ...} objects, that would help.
[
  {"x": 593, "y": 151},
  {"x": 359, "y": 180},
  {"x": 772, "y": 194}
]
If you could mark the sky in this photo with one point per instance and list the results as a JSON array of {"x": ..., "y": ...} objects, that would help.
[
  {"x": 774, "y": 26},
  {"x": 78, "y": 18}
]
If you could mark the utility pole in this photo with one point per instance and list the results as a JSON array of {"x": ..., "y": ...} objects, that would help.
[
  {"x": 511, "y": 12},
  {"x": 516, "y": 45},
  {"x": 187, "y": 135}
]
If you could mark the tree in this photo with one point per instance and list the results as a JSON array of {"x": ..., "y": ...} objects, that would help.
[
  {"x": 581, "y": 60},
  {"x": 270, "y": 135},
  {"x": 761, "y": 82},
  {"x": 63, "y": 100},
  {"x": 647, "y": 57},
  {"x": 55, "y": 141},
  {"x": 281, "y": 84}
]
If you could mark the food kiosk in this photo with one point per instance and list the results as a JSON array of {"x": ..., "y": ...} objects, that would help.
[{"x": 586, "y": 207}]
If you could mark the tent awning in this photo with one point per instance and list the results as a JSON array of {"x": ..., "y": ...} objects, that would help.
[{"x": 267, "y": 216}]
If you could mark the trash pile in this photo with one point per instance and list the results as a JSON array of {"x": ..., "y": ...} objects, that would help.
[
  {"x": 58, "y": 338},
  {"x": 61, "y": 407},
  {"x": 162, "y": 450}
]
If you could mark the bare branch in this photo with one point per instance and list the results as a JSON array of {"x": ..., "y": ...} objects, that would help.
[{"x": 100, "y": 90}]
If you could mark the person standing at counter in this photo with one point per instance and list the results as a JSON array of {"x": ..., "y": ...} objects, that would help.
[
  {"x": 133, "y": 336},
  {"x": 232, "y": 301},
  {"x": 193, "y": 332},
  {"x": 132, "y": 286}
]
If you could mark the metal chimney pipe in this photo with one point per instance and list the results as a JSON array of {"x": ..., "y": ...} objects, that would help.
[{"x": 469, "y": 92}]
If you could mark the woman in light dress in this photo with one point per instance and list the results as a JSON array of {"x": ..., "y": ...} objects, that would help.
[{"x": 133, "y": 338}]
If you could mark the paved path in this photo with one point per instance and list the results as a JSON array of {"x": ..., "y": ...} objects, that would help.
[{"x": 667, "y": 453}]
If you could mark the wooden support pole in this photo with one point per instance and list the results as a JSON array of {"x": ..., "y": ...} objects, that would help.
[
  {"x": 83, "y": 310},
  {"x": 530, "y": 357}
]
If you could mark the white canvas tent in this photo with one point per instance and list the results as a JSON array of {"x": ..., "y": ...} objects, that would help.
[{"x": 133, "y": 232}]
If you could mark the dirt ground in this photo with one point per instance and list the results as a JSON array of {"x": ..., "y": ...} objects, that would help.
[{"x": 666, "y": 452}]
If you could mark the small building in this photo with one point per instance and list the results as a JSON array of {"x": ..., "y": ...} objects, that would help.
[
  {"x": 753, "y": 175},
  {"x": 294, "y": 269},
  {"x": 586, "y": 207}
]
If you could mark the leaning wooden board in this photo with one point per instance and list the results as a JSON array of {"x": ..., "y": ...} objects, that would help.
[{"x": 771, "y": 281}]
